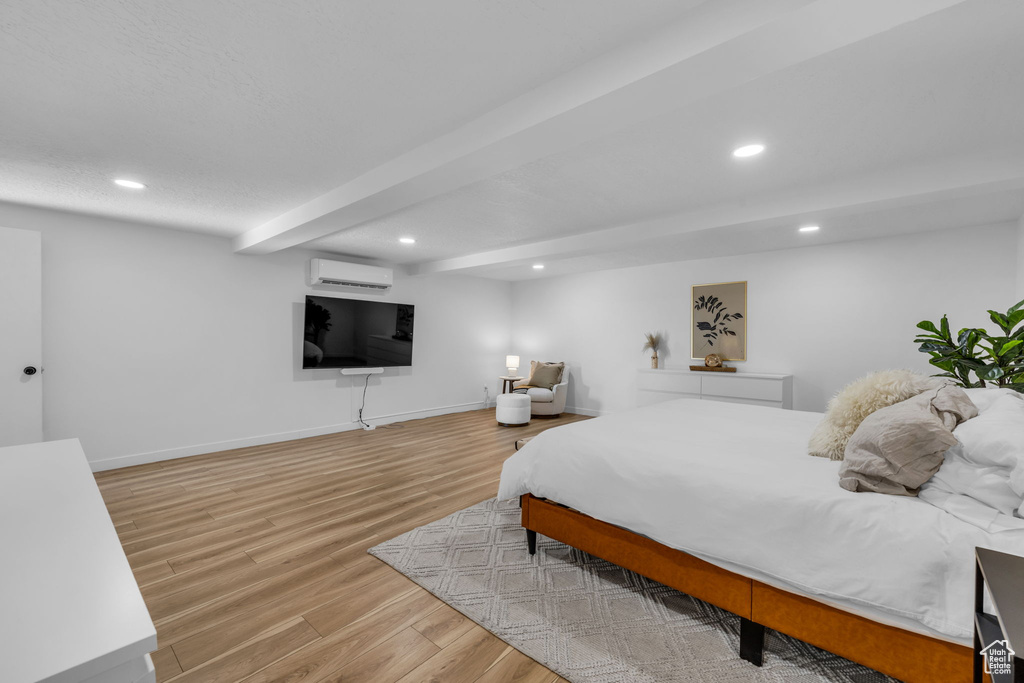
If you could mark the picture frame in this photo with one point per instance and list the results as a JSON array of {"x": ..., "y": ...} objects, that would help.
[{"x": 718, "y": 320}]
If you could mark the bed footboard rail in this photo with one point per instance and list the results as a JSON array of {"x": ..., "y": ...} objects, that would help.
[{"x": 908, "y": 656}]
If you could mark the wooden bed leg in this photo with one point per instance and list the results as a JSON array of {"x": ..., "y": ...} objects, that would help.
[
  {"x": 531, "y": 541},
  {"x": 751, "y": 641}
]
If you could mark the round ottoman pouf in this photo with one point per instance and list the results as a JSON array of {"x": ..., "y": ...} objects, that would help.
[{"x": 513, "y": 410}]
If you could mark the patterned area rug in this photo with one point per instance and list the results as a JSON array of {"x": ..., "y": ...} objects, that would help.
[{"x": 586, "y": 619}]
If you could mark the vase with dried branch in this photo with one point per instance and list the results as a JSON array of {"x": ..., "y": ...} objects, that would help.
[{"x": 652, "y": 343}]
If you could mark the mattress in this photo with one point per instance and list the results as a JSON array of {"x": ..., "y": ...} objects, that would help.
[{"x": 733, "y": 485}]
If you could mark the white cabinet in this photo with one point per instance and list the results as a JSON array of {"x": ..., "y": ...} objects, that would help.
[
  {"x": 775, "y": 391},
  {"x": 71, "y": 609}
]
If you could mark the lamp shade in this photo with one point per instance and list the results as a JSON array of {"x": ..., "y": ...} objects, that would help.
[{"x": 511, "y": 361}]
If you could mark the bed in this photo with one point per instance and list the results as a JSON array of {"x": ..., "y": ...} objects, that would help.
[{"x": 721, "y": 501}]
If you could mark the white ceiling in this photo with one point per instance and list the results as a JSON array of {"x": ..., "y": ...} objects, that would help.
[{"x": 587, "y": 134}]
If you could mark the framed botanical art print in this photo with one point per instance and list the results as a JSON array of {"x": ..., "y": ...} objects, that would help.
[{"x": 718, "y": 320}]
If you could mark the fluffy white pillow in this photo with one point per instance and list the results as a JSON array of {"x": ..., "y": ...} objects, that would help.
[{"x": 857, "y": 400}]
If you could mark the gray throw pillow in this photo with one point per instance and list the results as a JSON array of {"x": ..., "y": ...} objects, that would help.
[
  {"x": 898, "y": 448},
  {"x": 545, "y": 375}
]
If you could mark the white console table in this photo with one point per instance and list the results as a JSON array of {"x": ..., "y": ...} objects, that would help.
[
  {"x": 71, "y": 609},
  {"x": 654, "y": 386}
]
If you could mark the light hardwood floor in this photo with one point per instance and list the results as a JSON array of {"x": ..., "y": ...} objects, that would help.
[{"x": 253, "y": 562}]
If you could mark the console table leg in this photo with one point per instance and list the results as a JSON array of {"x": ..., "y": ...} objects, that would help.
[
  {"x": 751, "y": 641},
  {"x": 531, "y": 541}
]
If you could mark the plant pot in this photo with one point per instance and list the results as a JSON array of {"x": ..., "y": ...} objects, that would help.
[{"x": 654, "y": 361}]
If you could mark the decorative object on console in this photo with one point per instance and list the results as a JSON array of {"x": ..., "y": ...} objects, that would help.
[
  {"x": 512, "y": 363},
  {"x": 718, "y": 322},
  {"x": 652, "y": 343},
  {"x": 856, "y": 401},
  {"x": 712, "y": 363},
  {"x": 993, "y": 358}
]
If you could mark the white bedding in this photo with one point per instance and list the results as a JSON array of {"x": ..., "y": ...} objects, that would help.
[
  {"x": 733, "y": 484},
  {"x": 981, "y": 480}
]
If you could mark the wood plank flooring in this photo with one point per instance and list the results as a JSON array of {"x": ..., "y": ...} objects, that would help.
[{"x": 253, "y": 562}]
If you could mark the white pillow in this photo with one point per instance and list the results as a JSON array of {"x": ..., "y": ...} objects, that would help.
[
  {"x": 996, "y": 437},
  {"x": 985, "y": 398},
  {"x": 981, "y": 480}
]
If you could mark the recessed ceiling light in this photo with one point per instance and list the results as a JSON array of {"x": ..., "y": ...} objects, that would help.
[
  {"x": 134, "y": 185},
  {"x": 809, "y": 228},
  {"x": 748, "y": 150},
  {"x": 538, "y": 266},
  {"x": 406, "y": 240}
]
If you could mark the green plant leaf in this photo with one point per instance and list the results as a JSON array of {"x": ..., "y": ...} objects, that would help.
[
  {"x": 1015, "y": 318},
  {"x": 929, "y": 347},
  {"x": 1016, "y": 307},
  {"x": 1010, "y": 345},
  {"x": 968, "y": 339},
  {"x": 992, "y": 372},
  {"x": 931, "y": 340},
  {"x": 1000, "y": 319},
  {"x": 928, "y": 325}
]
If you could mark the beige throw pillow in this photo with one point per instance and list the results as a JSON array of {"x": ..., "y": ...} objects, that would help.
[
  {"x": 856, "y": 401},
  {"x": 545, "y": 375},
  {"x": 897, "y": 449}
]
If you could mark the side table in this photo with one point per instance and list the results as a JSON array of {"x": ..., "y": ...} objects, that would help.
[
  {"x": 999, "y": 637},
  {"x": 507, "y": 382}
]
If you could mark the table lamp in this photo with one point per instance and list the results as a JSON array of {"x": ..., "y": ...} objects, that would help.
[{"x": 512, "y": 363}]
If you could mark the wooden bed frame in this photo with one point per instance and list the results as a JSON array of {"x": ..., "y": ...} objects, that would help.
[{"x": 908, "y": 656}]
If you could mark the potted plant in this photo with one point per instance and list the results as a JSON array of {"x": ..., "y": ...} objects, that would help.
[
  {"x": 652, "y": 343},
  {"x": 997, "y": 358}
]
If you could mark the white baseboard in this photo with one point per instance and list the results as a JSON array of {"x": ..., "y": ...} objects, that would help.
[
  {"x": 584, "y": 411},
  {"x": 262, "y": 440}
]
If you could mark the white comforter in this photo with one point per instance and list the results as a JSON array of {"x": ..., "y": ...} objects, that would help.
[{"x": 733, "y": 484}]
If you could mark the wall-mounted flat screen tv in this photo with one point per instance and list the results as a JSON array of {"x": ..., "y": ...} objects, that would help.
[{"x": 351, "y": 333}]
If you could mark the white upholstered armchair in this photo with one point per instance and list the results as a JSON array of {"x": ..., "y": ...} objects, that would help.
[{"x": 548, "y": 402}]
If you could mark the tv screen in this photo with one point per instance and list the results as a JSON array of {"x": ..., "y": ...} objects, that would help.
[{"x": 351, "y": 333}]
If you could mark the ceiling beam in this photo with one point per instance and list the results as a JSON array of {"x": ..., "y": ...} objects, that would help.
[
  {"x": 949, "y": 179},
  {"x": 714, "y": 48}
]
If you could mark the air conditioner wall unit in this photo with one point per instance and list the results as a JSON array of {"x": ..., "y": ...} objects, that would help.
[{"x": 341, "y": 274}]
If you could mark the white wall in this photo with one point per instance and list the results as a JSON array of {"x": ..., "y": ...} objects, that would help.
[
  {"x": 159, "y": 343},
  {"x": 825, "y": 314},
  {"x": 1020, "y": 259}
]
